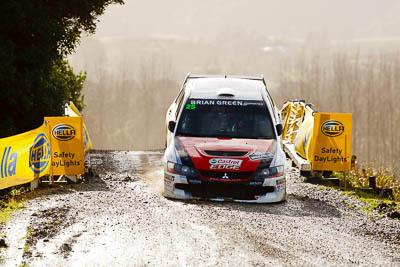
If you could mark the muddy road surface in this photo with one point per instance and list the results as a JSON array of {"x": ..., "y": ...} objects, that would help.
[{"x": 119, "y": 217}]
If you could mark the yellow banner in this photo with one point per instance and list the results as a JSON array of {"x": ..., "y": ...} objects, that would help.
[
  {"x": 304, "y": 142},
  {"x": 332, "y": 142},
  {"x": 285, "y": 113},
  {"x": 72, "y": 111},
  {"x": 66, "y": 138},
  {"x": 24, "y": 157}
]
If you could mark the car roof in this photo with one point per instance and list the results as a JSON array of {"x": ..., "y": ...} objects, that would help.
[{"x": 219, "y": 87}]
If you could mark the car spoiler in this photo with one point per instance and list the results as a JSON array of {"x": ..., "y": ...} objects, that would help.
[{"x": 196, "y": 76}]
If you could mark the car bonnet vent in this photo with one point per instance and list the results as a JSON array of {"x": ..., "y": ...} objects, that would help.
[
  {"x": 226, "y": 153},
  {"x": 226, "y": 92}
]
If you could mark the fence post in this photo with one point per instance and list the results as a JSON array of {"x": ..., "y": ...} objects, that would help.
[
  {"x": 34, "y": 184},
  {"x": 372, "y": 182}
]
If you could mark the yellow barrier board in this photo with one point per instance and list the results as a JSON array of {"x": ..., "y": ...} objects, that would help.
[
  {"x": 332, "y": 142},
  {"x": 24, "y": 157},
  {"x": 285, "y": 113},
  {"x": 66, "y": 138},
  {"x": 72, "y": 111},
  {"x": 304, "y": 142}
]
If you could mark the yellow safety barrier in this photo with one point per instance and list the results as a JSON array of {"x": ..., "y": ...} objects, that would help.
[
  {"x": 321, "y": 139},
  {"x": 55, "y": 148},
  {"x": 67, "y": 149},
  {"x": 332, "y": 146},
  {"x": 294, "y": 112},
  {"x": 305, "y": 139},
  {"x": 25, "y": 157},
  {"x": 284, "y": 114},
  {"x": 72, "y": 111}
]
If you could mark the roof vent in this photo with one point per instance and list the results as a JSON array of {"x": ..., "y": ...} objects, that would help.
[{"x": 226, "y": 92}]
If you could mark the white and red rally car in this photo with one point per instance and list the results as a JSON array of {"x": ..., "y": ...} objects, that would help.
[{"x": 223, "y": 142}]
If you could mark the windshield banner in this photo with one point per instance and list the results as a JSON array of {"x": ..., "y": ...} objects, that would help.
[{"x": 214, "y": 102}]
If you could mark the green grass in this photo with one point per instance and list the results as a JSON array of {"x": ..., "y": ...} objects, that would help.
[
  {"x": 385, "y": 178},
  {"x": 18, "y": 190},
  {"x": 327, "y": 187},
  {"x": 26, "y": 247},
  {"x": 372, "y": 200},
  {"x": 10, "y": 206},
  {"x": 23, "y": 264},
  {"x": 14, "y": 200},
  {"x": 28, "y": 234}
]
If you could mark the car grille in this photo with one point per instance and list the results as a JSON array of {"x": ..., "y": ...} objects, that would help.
[
  {"x": 220, "y": 175},
  {"x": 226, "y": 153},
  {"x": 230, "y": 190}
]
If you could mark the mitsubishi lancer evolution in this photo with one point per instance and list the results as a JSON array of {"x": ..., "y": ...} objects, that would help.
[{"x": 223, "y": 142}]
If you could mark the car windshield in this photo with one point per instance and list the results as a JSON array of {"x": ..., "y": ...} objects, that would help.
[{"x": 225, "y": 119}]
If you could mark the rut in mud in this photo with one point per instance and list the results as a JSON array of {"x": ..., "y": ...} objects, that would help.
[{"x": 119, "y": 217}]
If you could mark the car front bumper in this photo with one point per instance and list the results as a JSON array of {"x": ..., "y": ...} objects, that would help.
[{"x": 272, "y": 190}]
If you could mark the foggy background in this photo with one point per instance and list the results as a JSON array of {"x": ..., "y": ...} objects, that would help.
[{"x": 342, "y": 56}]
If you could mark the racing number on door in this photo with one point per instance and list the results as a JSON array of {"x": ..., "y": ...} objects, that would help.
[{"x": 190, "y": 106}]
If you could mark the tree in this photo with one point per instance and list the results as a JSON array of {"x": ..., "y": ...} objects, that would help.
[
  {"x": 63, "y": 78},
  {"x": 35, "y": 37}
]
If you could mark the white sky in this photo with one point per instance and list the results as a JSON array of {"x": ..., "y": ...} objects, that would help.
[{"x": 205, "y": 19}]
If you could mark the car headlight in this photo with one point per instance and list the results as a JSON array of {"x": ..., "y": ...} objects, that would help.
[
  {"x": 270, "y": 172},
  {"x": 180, "y": 169}
]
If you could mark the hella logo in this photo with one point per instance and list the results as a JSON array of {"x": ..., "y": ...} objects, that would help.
[
  {"x": 39, "y": 154},
  {"x": 63, "y": 132},
  {"x": 332, "y": 128}
]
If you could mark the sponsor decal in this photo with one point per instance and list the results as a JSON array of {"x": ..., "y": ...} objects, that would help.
[
  {"x": 261, "y": 155},
  {"x": 223, "y": 163},
  {"x": 332, "y": 128},
  {"x": 65, "y": 159},
  {"x": 255, "y": 183},
  {"x": 330, "y": 154},
  {"x": 8, "y": 162},
  {"x": 330, "y": 159},
  {"x": 213, "y": 102},
  {"x": 39, "y": 154},
  {"x": 225, "y": 176},
  {"x": 280, "y": 184},
  {"x": 63, "y": 132}
]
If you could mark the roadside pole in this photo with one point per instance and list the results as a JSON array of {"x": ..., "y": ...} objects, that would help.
[{"x": 345, "y": 151}]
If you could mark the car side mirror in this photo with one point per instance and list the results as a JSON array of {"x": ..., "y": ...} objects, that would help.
[
  {"x": 279, "y": 129},
  {"x": 171, "y": 126}
]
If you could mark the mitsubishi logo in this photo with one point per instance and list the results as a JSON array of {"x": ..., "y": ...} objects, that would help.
[{"x": 225, "y": 176}]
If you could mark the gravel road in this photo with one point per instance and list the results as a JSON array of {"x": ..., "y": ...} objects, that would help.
[{"x": 119, "y": 217}]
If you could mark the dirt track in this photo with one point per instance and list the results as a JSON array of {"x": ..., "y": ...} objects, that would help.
[{"x": 119, "y": 218}]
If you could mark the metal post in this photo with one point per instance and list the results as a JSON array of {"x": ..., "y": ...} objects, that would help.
[
  {"x": 372, "y": 182},
  {"x": 34, "y": 184}
]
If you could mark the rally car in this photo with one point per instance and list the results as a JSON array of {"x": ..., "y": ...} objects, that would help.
[{"x": 223, "y": 142}]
